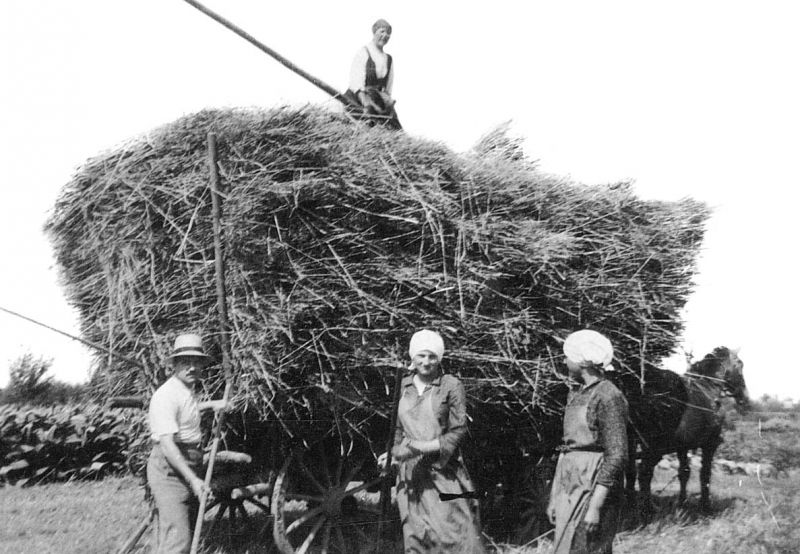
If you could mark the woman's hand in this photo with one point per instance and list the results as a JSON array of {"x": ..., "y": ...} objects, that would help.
[
  {"x": 424, "y": 447},
  {"x": 551, "y": 513},
  {"x": 596, "y": 502},
  {"x": 402, "y": 452},
  {"x": 382, "y": 460},
  {"x": 592, "y": 520}
]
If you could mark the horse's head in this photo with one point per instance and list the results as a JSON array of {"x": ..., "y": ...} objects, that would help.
[{"x": 730, "y": 371}]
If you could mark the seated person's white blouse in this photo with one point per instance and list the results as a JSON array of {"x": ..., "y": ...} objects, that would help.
[{"x": 358, "y": 71}]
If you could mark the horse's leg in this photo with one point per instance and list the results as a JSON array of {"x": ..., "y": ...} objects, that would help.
[
  {"x": 630, "y": 467},
  {"x": 646, "y": 467},
  {"x": 705, "y": 475},
  {"x": 683, "y": 473}
]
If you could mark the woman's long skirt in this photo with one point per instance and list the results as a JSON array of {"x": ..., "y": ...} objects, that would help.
[{"x": 573, "y": 485}]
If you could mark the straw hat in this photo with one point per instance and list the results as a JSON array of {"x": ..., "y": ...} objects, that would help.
[{"x": 188, "y": 344}]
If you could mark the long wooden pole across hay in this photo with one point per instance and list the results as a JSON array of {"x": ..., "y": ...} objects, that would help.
[
  {"x": 319, "y": 83},
  {"x": 222, "y": 309}
]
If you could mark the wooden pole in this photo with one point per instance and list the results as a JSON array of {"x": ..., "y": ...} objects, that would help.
[
  {"x": 386, "y": 485},
  {"x": 222, "y": 309},
  {"x": 128, "y": 545},
  {"x": 319, "y": 83}
]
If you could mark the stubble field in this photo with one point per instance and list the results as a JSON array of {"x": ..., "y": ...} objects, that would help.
[{"x": 750, "y": 515}]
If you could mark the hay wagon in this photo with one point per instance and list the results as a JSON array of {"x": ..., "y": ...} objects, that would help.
[
  {"x": 322, "y": 490},
  {"x": 340, "y": 241}
]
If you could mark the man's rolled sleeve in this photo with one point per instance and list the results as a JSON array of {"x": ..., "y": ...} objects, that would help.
[{"x": 163, "y": 416}]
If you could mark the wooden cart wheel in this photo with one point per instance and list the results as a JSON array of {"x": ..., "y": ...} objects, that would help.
[
  {"x": 319, "y": 508},
  {"x": 233, "y": 501}
]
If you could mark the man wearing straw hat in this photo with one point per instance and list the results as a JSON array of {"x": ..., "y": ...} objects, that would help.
[{"x": 174, "y": 463}]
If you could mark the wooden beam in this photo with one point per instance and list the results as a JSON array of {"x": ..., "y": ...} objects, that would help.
[{"x": 319, "y": 83}]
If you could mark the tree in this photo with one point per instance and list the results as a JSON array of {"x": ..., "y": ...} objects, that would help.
[{"x": 28, "y": 381}]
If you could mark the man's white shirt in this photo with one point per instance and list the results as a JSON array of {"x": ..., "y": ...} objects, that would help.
[{"x": 175, "y": 410}]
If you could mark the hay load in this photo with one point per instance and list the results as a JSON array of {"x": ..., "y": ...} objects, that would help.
[{"x": 341, "y": 240}]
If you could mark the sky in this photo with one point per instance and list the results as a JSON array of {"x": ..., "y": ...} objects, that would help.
[{"x": 685, "y": 98}]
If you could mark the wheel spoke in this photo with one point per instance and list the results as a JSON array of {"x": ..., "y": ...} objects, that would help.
[
  {"x": 258, "y": 503},
  {"x": 217, "y": 517},
  {"x": 340, "y": 539},
  {"x": 326, "y": 538},
  {"x": 311, "y": 536},
  {"x": 364, "y": 486},
  {"x": 339, "y": 467},
  {"x": 310, "y": 476},
  {"x": 211, "y": 504},
  {"x": 306, "y": 497},
  {"x": 243, "y": 513},
  {"x": 231, "y": 519},
  {"x": 303, "y": 518},
  {"x": 361, "y": 534},
  {"x": 326, "y": 472},
  {"x": 352, "y": 473}
]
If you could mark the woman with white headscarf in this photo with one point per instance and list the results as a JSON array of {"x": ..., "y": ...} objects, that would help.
[
  {"x": 586, "y": 495},
  {"x": 434, "y": 492}
]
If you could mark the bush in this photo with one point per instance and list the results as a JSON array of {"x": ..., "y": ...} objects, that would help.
[
  {"x": 68, "y": 442},
  {"x": 27, "y": 381}
]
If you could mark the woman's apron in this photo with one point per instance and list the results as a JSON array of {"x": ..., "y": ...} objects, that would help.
[
  {"x": 573, "y": 485},
  {"x": 429, "y": 523}
]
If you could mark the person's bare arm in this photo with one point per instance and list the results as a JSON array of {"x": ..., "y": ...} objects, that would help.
[
  {"x": 216, "y": 405},
  {"x": 592, "y": 518},
  {"x": 424, "y": 447},
  {"x": 173, "y": 455}
]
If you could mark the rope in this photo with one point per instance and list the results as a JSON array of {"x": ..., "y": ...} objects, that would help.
[{"x": 73, "y": 337}]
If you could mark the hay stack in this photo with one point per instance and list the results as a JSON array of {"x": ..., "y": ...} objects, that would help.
[{"x": 341, "y": 240}]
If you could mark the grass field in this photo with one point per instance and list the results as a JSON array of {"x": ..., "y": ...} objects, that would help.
[{"x": 749, "y": 516}]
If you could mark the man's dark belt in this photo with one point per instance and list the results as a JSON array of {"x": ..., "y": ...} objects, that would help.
[
  {"x": 589, "y": 448},
  {"x": 191, "y": 451}
]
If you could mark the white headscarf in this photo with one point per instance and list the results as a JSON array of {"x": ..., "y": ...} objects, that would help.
[
  {"x": 426, "y": 340},
  {"x": 589, "y": 347}
]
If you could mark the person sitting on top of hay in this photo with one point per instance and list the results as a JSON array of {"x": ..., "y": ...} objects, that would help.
[
  {"x": 586, "y": 495},
  {"x": 372, "y": 77},
  {"x": 431, "y": 424},
  {"x": 174, "y": 418}
]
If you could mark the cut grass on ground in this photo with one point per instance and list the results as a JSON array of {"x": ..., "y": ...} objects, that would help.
[
  {"x": 86, "y": 517},
  {"x": 748, "y": 517}
]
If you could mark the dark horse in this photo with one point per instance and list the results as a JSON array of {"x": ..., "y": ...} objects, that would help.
[{"x": 674, "y": 413}]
